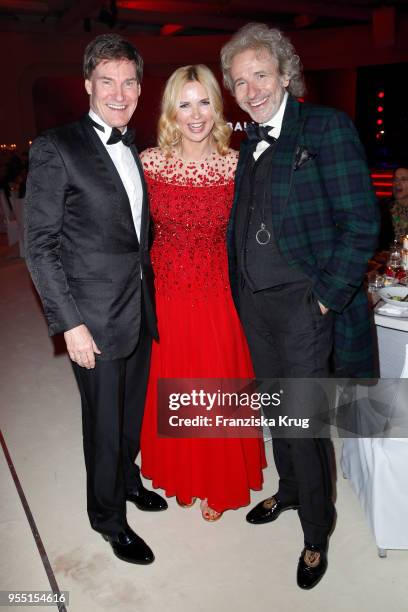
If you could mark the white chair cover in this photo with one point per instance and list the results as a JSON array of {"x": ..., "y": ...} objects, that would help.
[{"x": 377, "y": 469}]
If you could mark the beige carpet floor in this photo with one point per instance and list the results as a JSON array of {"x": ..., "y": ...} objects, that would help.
[{"x": 228, "y": 565}]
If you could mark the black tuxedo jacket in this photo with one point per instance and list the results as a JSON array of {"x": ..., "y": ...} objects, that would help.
[{"x": 81, "y": 245}]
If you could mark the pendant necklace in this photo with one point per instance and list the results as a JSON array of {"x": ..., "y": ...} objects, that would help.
[{"x": 263, "y": 235}]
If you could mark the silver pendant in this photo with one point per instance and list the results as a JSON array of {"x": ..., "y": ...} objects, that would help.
[{"x": 262, "y": 235}]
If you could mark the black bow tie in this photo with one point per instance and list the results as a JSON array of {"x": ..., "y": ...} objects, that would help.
[
  {"x": 116, "y": 136},
  {"x": 127, "y": 138},
  {"x": 256, "y": 133}
]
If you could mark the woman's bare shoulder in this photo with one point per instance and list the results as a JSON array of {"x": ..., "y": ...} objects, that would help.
[
  {"x": 152, "y": 159},
  {"x": 233, "y": 155},
  {"x": 230, "y": 162}
]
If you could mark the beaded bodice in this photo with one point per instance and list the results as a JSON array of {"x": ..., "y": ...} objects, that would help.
[{"x": 190, "y": 204}]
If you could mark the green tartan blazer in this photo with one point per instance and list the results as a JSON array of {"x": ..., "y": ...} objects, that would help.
[{"x": 326, "y": 221}]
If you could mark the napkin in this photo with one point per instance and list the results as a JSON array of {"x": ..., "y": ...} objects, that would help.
[{"x": 391, "y": 311}]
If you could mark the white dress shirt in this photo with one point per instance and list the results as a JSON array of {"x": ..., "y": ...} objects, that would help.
[
  {"x": 276, "y": 125},
  {"x": 125, "y": 164}
]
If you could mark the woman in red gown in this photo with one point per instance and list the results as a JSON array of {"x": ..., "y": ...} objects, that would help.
[{"x": 190, "y": 181}]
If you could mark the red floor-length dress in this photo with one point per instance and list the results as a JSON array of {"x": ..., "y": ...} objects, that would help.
[{"x": 200, "y": 333}]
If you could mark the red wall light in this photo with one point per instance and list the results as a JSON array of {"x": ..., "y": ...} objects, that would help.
[
  {"x": 380, "y": 121},
  {"x": 380, "y": 109},
  {"x": 380, "y": 94}
]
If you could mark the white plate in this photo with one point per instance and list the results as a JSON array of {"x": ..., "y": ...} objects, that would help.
[{"x": 398, "y": 291}]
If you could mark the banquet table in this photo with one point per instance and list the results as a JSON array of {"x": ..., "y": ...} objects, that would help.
[{"x": 392, "y": 338}]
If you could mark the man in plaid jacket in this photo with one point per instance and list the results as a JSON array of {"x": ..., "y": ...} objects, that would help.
[{"x": 303, "y": 225}]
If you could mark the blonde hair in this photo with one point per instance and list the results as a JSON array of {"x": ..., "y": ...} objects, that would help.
[{"x": 169, "y": 134}]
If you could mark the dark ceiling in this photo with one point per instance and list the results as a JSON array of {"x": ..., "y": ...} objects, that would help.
[{"x": 188, "y": 17}]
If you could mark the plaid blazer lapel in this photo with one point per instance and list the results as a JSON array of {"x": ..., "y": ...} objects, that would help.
[{"x": 283, "y": 161}]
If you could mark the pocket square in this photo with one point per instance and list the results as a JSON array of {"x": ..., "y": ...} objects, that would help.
[{"x": 303, "y": 155}]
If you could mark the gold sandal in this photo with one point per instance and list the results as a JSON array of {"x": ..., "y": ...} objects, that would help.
[
  {"x": 209, "y": 514},
  {"x": 183, "y": 505}
]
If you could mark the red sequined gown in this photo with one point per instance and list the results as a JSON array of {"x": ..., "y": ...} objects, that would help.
[{"x": 200, "y": 333}]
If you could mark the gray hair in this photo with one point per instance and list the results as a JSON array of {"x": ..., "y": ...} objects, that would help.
[{"x": 258, "y": 36}]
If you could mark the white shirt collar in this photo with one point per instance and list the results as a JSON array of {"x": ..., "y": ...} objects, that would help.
[
  {"x": 104, "y": 136},
  {"x": 276, "y": 121}
]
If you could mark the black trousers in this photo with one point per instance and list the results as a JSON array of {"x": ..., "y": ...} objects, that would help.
[
  {"x": 113, "y": 397},
  {"x": 288, "y": 337}
]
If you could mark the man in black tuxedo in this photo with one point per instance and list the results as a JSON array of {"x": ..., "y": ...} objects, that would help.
[{"x": 87, "y": 224}]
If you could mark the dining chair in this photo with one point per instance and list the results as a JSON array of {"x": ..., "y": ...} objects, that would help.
[
  {"x": 17, "y": 205},
  {"x": 11, "y": 224}
]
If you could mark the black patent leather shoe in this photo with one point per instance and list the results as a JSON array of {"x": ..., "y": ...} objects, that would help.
[
  {"x": 311, "y": 572},
  {"x": 128, "y": 546},
  {"x": 146, "y": 500},
  {"x": 268, "y": 510}
]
